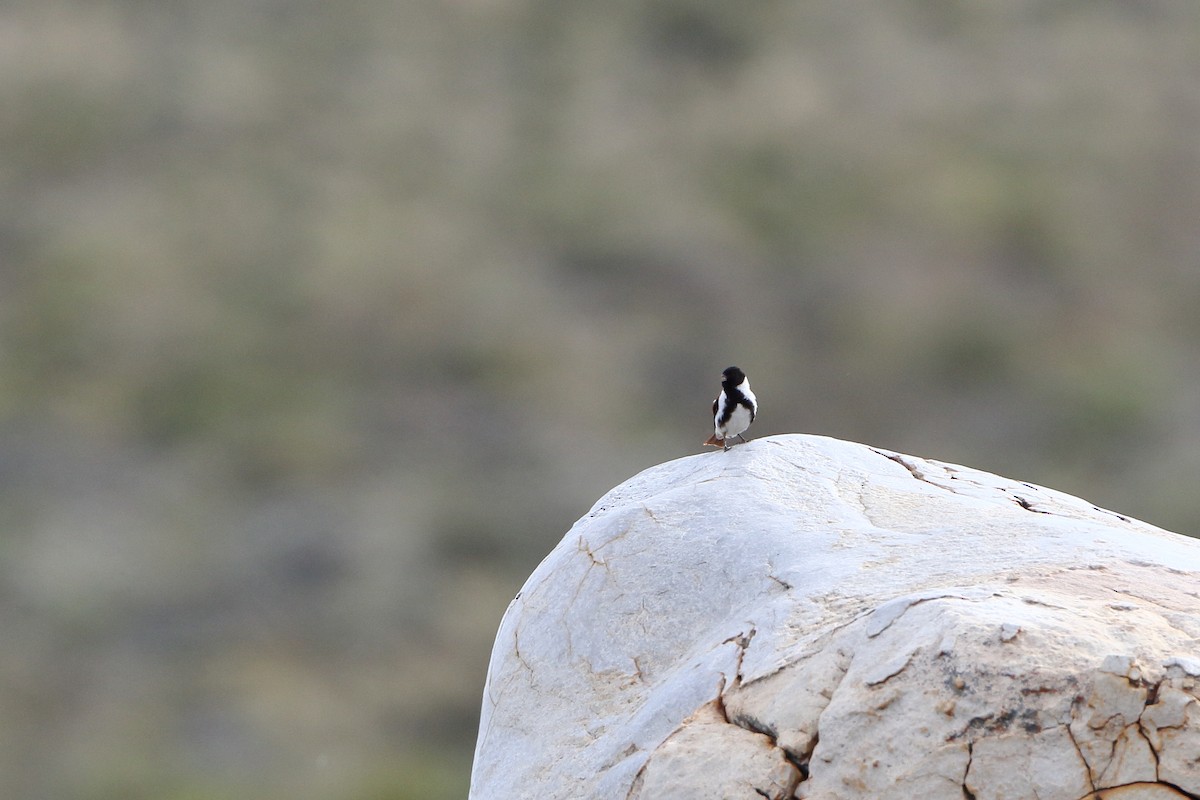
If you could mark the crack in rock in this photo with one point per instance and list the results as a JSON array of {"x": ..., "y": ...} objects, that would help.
[
  {"x": 966, "y": 791},
  {"x": 749, "y": 760},
  {"x": 1106, "y": 727},
  {"x": 883, "y": 616},
  {"x": 1141, "y": 790},
  {"x": 890, "y": 668},
  {"x": 756, "y": 726},
  {"x": 913, "y": 469},
  {"x": 1169, "y": 725},
  {"x": 517, "y": 652},
  {"x": 742, "y": 640},
  {"x": 583, "y": 547},
  {"x": 1021, "y": 500},
  {"x": 1091, "y": 775},
  {"x": 811, "y": 686},
  {"x": 799, "y": 763},
  {"x": 1027, "y": 505}
]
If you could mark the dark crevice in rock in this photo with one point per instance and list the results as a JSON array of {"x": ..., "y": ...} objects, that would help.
[
  {"x": 816, "y": 645},
  {"x": 874, "y": 627},
  {"x": 990, "y": 723},
  {"x": 1023, "y": 502},
  {"x": 908, "y": 465},
  {"x": 1027, "y": 505},
  {"x": 1137, "y": 730},
  {"x": 1152, "y": 692},
  {"x": 798, "y": 760},
  {"x": 1153, "y": 751},
  {"x": 718, "y": 702},
  {"x": 639, "y": 781},
  {"x": 801, "y": 760},
  {"x": 1121, "y": 517},
  {"x": 1079, "y": 750},
  {"x": 1152, "y": 689},
  {"x": 1103, "y": 793},
  {"x": 742, "y": 640},
  {"x": 787, "y": 587},
  {"x": 1182, "y": 791},
  {"x": 967, "y": 793},
  {"x": 753, "y": 725}
]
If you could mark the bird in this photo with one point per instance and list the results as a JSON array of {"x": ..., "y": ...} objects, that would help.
[{"x": 734, "y": 409}]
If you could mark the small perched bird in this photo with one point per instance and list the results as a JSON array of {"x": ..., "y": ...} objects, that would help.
[{"x": 734, "y": 410}]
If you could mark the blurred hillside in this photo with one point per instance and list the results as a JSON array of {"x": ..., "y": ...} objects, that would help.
[{"x": 321, "y": 323}]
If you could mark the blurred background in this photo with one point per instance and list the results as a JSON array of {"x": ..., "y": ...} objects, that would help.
[{"x": 320, "y": 323}]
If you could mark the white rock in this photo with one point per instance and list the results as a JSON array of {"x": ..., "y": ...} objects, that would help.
[
  {"x": 806, "y": 614},
  {"x": 709, "y": 744},
  {"x": 1172, "y": 725},
  {"x": 1043, "y": 764}
]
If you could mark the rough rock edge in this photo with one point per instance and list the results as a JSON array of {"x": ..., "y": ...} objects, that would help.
[
  {"x": 1132, "y": 672},
  {"x": 717, "y": 704}
]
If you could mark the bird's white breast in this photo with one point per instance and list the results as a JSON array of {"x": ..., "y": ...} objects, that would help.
[{"x": 739, "y": 421}]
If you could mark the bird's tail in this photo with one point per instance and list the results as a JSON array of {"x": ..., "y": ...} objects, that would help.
[{"x": 715, "y": 442}]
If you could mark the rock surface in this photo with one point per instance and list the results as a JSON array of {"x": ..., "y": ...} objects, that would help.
[{"x": 805, "y": 617}]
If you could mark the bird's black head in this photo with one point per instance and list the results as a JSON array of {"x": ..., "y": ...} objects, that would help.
[{"x": 733, "y": 376}]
